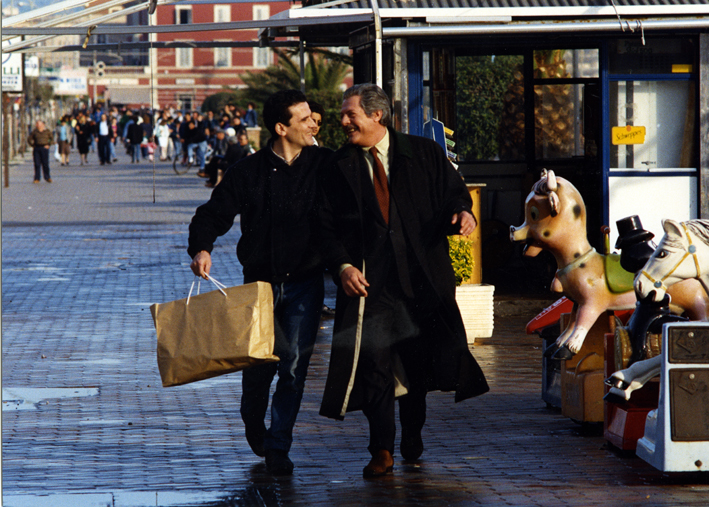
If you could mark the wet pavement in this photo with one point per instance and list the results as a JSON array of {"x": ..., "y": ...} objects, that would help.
[{"x": 85, "y": 420}]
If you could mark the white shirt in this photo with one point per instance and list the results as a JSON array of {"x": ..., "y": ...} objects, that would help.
[{"x": 383, "y": 148}]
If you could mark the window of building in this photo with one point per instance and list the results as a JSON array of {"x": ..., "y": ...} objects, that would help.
[
  {"x": 222, "y": 13},
  {"x": 261, "y": 12},
  {"x": 183, "y": 58},
  {"x": 262, "y": 57},
  {"x": 183, "y": 15},
  {"x": 222, "y": 57}
]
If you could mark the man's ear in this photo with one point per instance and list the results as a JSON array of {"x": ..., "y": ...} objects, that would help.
[
  {"x": 377, "y": 115},
  {"x": 280, "y": 129}
]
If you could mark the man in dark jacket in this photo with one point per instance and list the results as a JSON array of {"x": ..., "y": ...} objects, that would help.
[
  {"x": 274, "y": 191},
  {"x": 385, "y": 219},
  {"x": 41, "y": 139}
]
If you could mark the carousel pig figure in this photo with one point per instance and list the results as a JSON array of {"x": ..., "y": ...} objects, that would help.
[
  {"x": 555, "y": 220},
  {"x": 681, "y": 259}
]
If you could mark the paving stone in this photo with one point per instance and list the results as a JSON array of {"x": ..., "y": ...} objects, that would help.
[{"x": 83, "y": 259}]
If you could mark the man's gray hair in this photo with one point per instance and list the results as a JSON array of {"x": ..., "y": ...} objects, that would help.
[{"x": 372, "y": 99}]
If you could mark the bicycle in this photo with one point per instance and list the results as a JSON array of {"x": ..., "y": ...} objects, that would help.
[{"x": 182, "y": 164}]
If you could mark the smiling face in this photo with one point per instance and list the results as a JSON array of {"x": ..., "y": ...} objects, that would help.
[
  {"x": 360, "y": 129},
  {"x": 299, "y": 132}
]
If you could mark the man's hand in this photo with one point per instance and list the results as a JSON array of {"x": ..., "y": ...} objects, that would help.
[
  {"x": 353, "y": 282},
  {"x": 467, "y": 222},
  {"x": 201, "y": 264}
]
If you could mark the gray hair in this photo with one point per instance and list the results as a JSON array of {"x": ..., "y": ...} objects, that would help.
[{"x": 372, "y": 99}]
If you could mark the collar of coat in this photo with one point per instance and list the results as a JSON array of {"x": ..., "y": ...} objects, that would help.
[{"x": 398, "y": 142}]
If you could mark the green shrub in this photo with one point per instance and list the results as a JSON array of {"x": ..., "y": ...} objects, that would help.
[{"x": 460, "y": 249}]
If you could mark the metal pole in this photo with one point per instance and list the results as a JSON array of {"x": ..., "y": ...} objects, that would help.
[
  {"x": 93, "y": 98},
  {"x": 301, "y": 50},
  {"x": 5, "y": 140},
  {"x": 377, "y": 45}
]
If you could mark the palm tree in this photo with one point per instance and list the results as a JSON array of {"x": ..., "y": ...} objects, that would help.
[{"x": 324, "y": 71}]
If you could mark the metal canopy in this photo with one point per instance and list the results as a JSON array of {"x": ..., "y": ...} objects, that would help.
[{"x": 390, "y": 18}]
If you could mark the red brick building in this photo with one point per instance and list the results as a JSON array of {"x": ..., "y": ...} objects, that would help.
[{"x": 184, "y": 76}]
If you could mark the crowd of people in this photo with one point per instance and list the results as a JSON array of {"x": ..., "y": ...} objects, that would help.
[{"x": 212, "y": 142}]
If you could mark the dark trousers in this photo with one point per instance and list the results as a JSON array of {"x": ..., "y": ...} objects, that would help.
[
  {"x": 40, "y": 154},
  {"x": 212, "y": 168},
  {"x": 296, "y": 312},
  {"x": 390, "y": 328},
  {"x": 104, "y": 149}
]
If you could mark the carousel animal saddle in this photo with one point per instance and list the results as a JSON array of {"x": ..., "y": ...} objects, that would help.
[{"x": 618, "y": 279}]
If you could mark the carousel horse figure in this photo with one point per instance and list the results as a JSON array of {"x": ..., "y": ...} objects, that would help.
[
  {"x": 555, "y": 220},
  {"x": 683, "y": 254}
]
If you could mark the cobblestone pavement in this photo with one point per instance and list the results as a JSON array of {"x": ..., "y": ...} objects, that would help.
[{"x": 87, "y": 423}]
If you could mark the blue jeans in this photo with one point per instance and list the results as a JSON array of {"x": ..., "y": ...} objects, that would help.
[
  {"x": 296, "y": 308},
  {"x": 201, "y": 151},
  {"x": 135, "y": 152}
]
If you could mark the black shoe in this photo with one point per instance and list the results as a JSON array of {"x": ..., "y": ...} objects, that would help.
[
  {"x": 411, "y": 444},
  {"x": 326, "y": 310},
  {"x": 278, "y": 462},
  {"x": 255, "y": 437}
]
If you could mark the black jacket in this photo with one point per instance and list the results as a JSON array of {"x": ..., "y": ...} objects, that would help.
[
  {"x": 279, "y": 217},
  {"x": 426, "y": 191}
]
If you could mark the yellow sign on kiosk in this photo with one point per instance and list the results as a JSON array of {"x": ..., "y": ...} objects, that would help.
[{"x": 628, "y": 135}]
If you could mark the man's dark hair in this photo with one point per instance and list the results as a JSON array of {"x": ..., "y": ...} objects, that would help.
[
  {"x": 317, "y": 108},
  {"x": 372, "y": 99},
  {"x": 275, "y": 109}
]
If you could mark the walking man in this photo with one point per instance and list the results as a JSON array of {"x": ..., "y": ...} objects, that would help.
[
  {"x": 274, "y": 191},
  {"x": 389, "y": 201},
  {"x": 41, "y": 139}
]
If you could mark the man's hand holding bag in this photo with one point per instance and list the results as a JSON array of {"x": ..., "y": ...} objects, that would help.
[{"x": 214, "y": 333}]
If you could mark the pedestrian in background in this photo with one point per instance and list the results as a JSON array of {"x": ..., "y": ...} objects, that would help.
[
  {"x": 104, "y": 139},
  {"x": 135, "y": 138},
  {"x": 275, "y": 194},
  {"x": 317, "y": 112},
  {"x": 251, "y": 117},
  {"x": 389, "y": 202},
  {"x": 64, "y": 135},
  {"x": 83, "y": 138},
  {"x": 41, "y": 139}
]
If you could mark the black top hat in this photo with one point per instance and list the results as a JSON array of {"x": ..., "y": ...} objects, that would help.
[{"x": 631, "y": 232}]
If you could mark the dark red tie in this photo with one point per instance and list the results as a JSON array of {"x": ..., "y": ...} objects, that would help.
[{"x": 381, "y": 186}]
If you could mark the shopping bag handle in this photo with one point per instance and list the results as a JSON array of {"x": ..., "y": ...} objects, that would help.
[{"x": 219, "y": 285}]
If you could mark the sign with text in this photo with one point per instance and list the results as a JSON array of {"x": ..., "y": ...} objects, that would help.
[
  {"x": 71, "y": 82},
  {"x": 629, "y": 134},
  {"x": 11, "y": 72}
]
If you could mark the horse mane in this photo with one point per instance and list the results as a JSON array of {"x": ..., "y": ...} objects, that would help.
[{"x": 699, "y": 228}]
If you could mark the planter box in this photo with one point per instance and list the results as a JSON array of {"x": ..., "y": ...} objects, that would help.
[{"x": 476, "y": 307}]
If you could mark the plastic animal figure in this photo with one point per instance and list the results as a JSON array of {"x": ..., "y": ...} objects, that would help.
[
  {"x": 555, "y": 220},
  {"x": 683, "y": 254}
]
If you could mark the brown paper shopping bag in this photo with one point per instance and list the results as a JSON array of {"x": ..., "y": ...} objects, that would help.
[{"x": 214, "y": 333}]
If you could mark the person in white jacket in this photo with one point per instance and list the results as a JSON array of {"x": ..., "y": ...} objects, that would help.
[{"x": 163, "y": 136}]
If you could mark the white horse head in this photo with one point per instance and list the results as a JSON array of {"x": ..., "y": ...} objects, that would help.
[{"x": 683, "y": 253}]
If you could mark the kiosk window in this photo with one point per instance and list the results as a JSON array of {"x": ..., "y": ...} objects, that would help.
[{"x": 490, "y": 115}]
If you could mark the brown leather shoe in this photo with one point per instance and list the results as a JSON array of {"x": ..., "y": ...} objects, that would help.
[{"x": 382, "y": 463}]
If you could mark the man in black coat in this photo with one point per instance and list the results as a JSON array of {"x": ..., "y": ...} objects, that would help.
[
  {"x": 274, "y": 191},
  {"x": 385, "y": 219}
]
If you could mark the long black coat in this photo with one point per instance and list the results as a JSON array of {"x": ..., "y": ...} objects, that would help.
[{"x": 427, "y": 191}]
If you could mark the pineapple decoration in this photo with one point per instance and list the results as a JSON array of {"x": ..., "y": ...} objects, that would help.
[
  {"x": 553, "y": 111},
  {"x": 553, "y": 106},
  {"x": 512, "y": 120}
]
